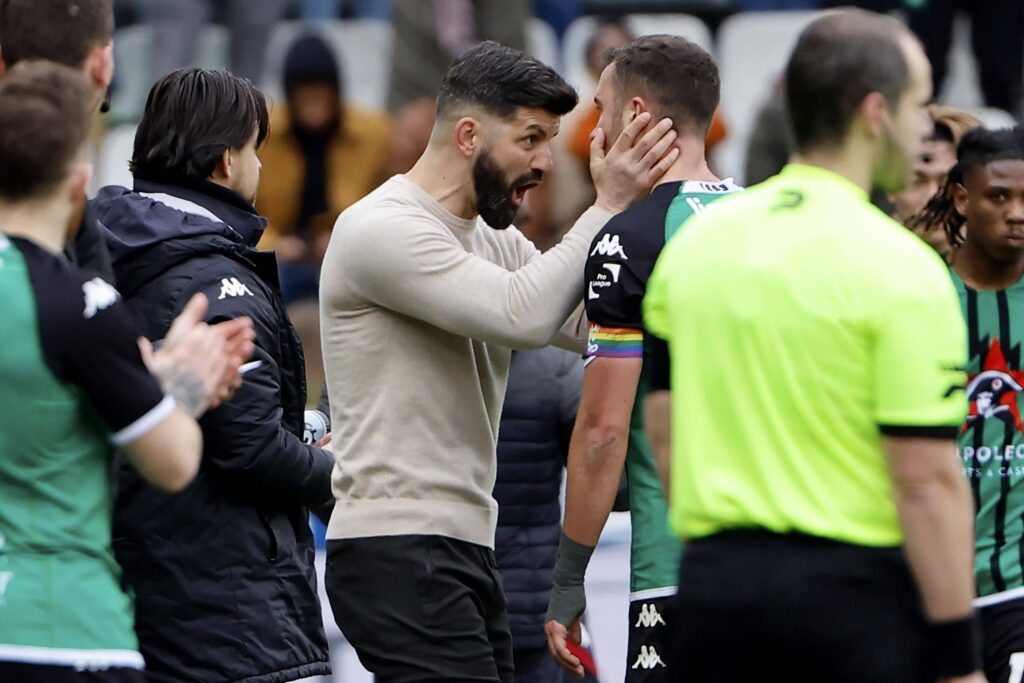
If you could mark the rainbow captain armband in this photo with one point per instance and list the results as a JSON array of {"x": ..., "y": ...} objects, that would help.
[{"x": 614, "y": 342}]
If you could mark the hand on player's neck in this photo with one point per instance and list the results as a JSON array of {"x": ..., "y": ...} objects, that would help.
[
  {"x": 979, "y": 271},
  {"x": 448, "y": 179},
  {"x": 691, "y": 164},
  {"x": 44, "y": 222}
]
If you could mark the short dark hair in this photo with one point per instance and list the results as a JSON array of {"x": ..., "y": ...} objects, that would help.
[
  {"x": 62, "y": 31},
  {"x": 192, "y": 116},
  {"x": 499, "y": 80},
  {"x": 678, "y": 77},
  {"x": 838, "y": 61},
  {"x": 978, "y": 148},
  {"x": 45, "y": 116}
]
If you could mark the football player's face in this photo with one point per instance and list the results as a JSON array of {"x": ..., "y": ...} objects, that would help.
[
  {"x": 992, "y": 201},
  {"x": 614, "y": 117}
]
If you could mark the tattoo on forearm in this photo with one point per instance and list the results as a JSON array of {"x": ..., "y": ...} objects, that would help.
[{"x": 186, "y": 389}]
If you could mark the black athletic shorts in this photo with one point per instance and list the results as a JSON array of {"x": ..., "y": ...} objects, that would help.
[
  {"x": 755, "y": 606},
  {"x": 647, "y": 652},
  {"x": 16, "y": 672},
  {"x": 421, "y": 609},
  {"x": 1002, "y": 630}
]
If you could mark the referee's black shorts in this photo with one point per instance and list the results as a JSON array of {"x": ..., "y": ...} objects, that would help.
[
  {"x": 421, "y": 609},
  {"x": 757, "y": 606}
]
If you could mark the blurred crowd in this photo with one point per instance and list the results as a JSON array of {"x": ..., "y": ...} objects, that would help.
[{"x": 326, "y": 151}]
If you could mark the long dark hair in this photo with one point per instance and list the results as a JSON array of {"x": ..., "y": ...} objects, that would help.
[{"x": 192, "y": 116}]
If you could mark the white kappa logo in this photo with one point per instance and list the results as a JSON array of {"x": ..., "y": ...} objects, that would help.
[
  {"x": 649, "y": 616},
  {"x": 648, "y": 658},
  {"x": 609, "y": 246},
  {"x": 98, "y": 295},
  {"x": 230, "y": 286}
]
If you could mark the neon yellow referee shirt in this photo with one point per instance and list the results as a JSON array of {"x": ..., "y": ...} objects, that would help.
[{"x": 803, "y": 323}]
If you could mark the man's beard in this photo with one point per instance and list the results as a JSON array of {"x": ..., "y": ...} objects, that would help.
[{"x": 494, "y": 194}]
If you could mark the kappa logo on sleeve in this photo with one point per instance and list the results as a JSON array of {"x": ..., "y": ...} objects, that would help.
[
  {"x": 609, "y": 246},
  {"x": 98, "y": 296},
  {"x": 231, "y": 286}
]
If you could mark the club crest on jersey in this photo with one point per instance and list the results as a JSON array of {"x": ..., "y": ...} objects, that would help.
[
  {"x": 609, "y": 246},
  {"x": 993, "y": 391},
  {"x": 98, "y": 296}
]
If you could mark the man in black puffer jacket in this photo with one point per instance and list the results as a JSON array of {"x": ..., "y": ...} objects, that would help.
[
  {"x": 536, "y": 422},
  {"x": 223, "y": 572}
]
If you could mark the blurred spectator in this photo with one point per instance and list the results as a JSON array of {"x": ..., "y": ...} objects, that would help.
[
  {"x": 559, "y": 14},
  {"x": 771, "y": 139},
  {"x": 937, "y": 158},
  {"x": 430, "y": 34},
  {"x": 318, "y": 10},
  {"x": 611, "y": 32},
  {"x": 179, "y": 23},
  {"x": 410, "y": 133},
  {"x": 536, "y": 422},
  {"x": 774, "y": 5},
  {"x": 322, "y": 156},
  {"x": 997, "y": 37}
]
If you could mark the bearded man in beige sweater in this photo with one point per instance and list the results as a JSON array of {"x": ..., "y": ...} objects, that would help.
[{"x": 425, "y": 290}]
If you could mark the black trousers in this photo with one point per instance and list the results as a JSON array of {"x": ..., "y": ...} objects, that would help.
[
  {"x": 15, "y": 672},
  {"x": 997, "y": 38},
  {"x": 421, "y": 609},
  {"x": 1002, "y": 627},
  {"x": 760, "y": 606}
]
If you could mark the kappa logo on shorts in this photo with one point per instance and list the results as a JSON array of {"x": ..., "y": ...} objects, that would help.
[
  {"x": 230, "y": 286},
  {"x": 649, "y": 616},
  {"x": 648, "y": 658},
  {"x": 609, "y": 246},
  {"x": 98, "y": 295}
]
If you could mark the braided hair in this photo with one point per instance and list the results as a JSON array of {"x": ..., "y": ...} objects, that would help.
[{"x": 978, "y": 148}]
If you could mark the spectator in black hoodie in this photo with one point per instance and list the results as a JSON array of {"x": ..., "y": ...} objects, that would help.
[{"x": 223, "y": 572}]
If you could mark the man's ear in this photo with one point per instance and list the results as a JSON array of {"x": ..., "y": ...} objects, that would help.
[
  {"x": 3, "y": 64},
  {"x": 637, "y": 106},
  {"x": 960, "y": 200},
  {"x": 222, "y": 171},
  {"x": 99, "y": 66},
  {"x": 873, "y": 111},
  {"x": 467, "y": 135}
]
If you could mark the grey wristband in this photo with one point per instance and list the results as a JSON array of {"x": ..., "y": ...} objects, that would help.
[{"x": 568, "y": 599}]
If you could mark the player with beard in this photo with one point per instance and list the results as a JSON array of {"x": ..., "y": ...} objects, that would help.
[
  {"x": 425, "y": 290},
  {"x": 642, "y": 76},
  {"x": 981, "y": 208}
]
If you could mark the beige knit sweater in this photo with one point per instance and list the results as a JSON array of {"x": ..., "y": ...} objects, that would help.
[{"x": 419, "y": 312}]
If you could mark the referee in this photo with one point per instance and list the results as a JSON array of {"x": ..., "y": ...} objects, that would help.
[{"x": 817, "y": 373}]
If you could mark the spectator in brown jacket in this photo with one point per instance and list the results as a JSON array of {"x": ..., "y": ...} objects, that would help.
[{"x": 322, "y": 156}]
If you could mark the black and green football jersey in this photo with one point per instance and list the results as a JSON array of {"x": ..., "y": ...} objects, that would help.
[
  {"x": 621, "y": 259},
  {"x": 72, "y": 385},
  {"x": 991, "y": 442}
]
